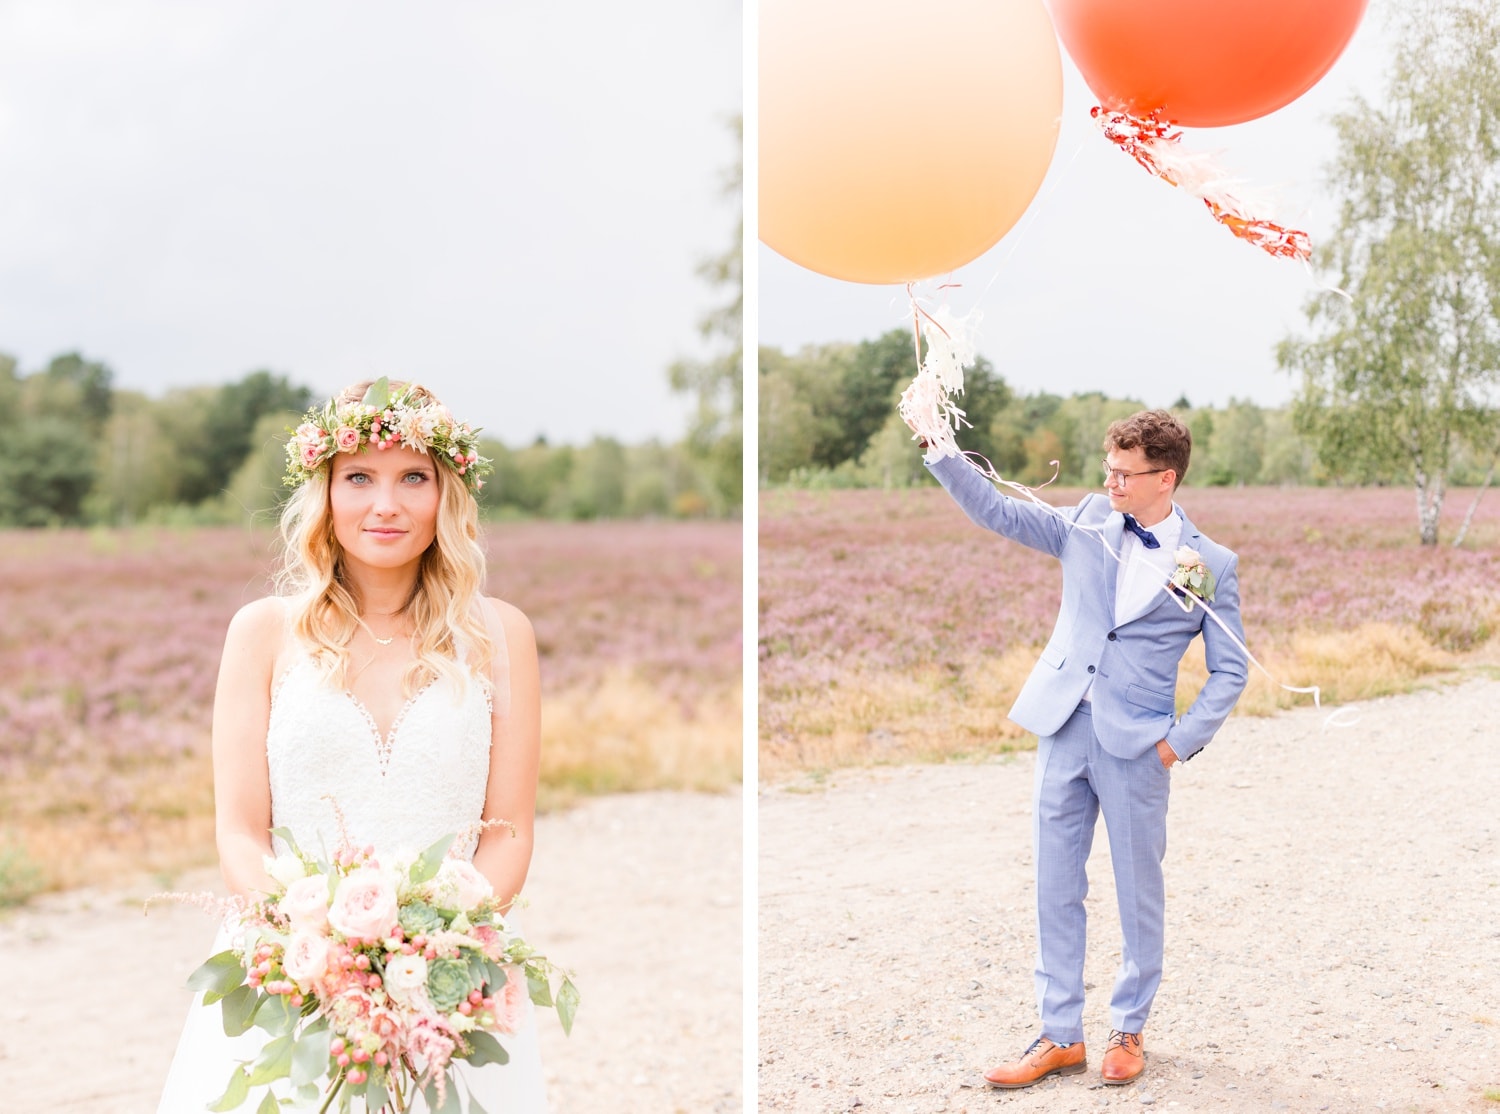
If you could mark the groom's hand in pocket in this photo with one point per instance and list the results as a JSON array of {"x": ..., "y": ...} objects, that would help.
[{"x": 1167, "y": 755}]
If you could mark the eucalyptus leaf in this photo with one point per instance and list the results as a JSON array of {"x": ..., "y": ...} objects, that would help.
[
  {"x": 478, "y": 969},
  {"x": 235, "y": 1094},
  {"x": 285, "y": 835},
  {"x": 277, "y": 1016},
  {"x": 430, "y": 861},
  {"x": 567, "y": 1005},
  {"x": 274, "y": 1061},
  {"x": 487, "y": 1050},
  {"x": 376, "y": 1095},
  {"x": 541, "y": 992},
  {"x": 451, "y": 1104},
  {"x": 310, "y": 1055},
  {"x": 379, "y": 394},
  {"x": 217, "y": 975},
  {"x": 240, "y": 1006},
  {"x": 496, "y": 976}
]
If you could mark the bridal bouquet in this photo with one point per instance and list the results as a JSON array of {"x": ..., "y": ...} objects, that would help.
[{"x": 376, "y": 977}]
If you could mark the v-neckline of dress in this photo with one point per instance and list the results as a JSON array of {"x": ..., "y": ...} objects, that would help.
[{"x": 385, "y": 743}]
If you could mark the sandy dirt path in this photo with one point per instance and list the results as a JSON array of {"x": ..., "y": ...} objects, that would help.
[
  {"x": 638, "y": 894},
  {"x": 1333, "y": 926}
]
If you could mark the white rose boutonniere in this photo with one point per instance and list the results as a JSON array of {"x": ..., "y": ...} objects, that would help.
[{"x": 1192, "y": 576}]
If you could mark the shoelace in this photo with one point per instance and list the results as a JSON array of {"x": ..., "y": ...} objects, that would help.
[
  {"x": 1034, "y": 1046},
  {"x": 1120, "y": 1040}
]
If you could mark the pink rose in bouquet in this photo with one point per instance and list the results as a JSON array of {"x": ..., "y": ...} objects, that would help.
[
  {"x": 306, "y": 959},
  {"x": 373, "y": 993},
  {"x": 305, "y": 903},
  {"x": 364, "y": 905}
]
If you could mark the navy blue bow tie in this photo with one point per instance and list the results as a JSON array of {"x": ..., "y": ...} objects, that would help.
[{"x": 1148, "y": 539}]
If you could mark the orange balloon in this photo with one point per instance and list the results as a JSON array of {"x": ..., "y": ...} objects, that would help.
[
  {"x": 1204, "y": 63},
  {"x": 897, "y": 140}
]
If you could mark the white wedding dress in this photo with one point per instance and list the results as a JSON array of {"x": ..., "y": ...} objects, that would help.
[{"x": 425, "y": 780}]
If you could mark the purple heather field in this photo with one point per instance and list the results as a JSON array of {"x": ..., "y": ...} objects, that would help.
[
  {"x": 873, "y": 581},
  {"x": 109, "y": 641}
]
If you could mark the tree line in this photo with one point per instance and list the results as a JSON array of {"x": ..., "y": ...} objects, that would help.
[
  {"x": 828, "y": 419},
  {"x": 80, "y": 451}
]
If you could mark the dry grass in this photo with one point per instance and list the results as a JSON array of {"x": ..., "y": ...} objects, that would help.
[
  {"x": 619, "y": 734},
  {"x": 625, "y": 734},
  {"x": 959, "y": 711},
  {"x": 874, "y": 717},
  {"x": 72, "y": 836}
]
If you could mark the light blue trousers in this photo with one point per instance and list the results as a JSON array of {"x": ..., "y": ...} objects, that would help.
[{"x": 1076, "y": 780}]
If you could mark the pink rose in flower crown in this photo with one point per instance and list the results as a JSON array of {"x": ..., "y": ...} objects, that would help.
[
  {"x": 460, "y": 885},
  {"x": 305, "y": 904},
  {"x": 510, "y": 1003},
  {"x": 364, "y": 905},
  {"x": 312, "y": 453},
  {"x": 306, "y": 959},
  {"x": 346, "y": 438}
]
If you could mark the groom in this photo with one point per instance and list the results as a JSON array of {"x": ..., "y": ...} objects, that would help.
[{"x": 1101, "y": 700}]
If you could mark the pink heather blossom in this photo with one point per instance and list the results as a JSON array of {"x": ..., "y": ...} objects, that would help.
[
  {"x": 510, "y": 1003},
  {"x": 306, "y": 960},
  {"x": 364, "y": 905},
  {"x": 305, "y": 904},
  {"x": 347, "y": 438},
  {"x": 459, "y": 885}
]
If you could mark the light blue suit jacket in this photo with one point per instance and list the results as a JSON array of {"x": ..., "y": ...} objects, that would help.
[{"x": 1133, "y": 666}]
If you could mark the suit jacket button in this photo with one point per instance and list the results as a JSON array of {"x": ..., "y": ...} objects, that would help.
[
  {"x": 1111, "y": 636},
  {"x": 1091, "y": 669}
]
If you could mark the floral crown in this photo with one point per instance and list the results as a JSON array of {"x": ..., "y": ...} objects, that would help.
[{"x": 385, "y": 419}]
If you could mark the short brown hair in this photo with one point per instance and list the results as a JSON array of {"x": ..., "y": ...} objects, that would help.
[{"x": 1165, "y": 441}]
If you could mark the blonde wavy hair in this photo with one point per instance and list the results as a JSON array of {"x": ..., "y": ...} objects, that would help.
[{"x": 444, "y": 607}]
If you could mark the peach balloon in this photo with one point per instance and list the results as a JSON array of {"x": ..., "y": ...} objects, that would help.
[{"x": 899, "y": 141}]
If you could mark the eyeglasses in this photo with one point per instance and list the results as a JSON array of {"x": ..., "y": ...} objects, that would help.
[{"x": 1118, "y": 477}]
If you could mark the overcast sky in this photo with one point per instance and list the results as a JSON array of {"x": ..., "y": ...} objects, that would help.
[
  {"x": 505, "y": 201},
  {"x": 1115, "y": 281}
]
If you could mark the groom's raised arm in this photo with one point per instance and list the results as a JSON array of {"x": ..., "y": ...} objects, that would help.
[{"x": 1011, "y": 518}]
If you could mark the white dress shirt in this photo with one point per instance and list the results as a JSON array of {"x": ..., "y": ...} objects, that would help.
[{"x": 1142, "y": 572}]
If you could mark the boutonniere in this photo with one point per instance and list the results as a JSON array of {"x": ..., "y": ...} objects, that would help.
[{"x": 1191, "y": 576}]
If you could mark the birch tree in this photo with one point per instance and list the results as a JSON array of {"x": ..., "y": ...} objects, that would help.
[{"x": 1401, "y": 372}]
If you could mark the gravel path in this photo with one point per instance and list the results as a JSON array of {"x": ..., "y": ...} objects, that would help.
[
  {"x": 1333, "y": 926},
  {"x": 638, "y": 894}
]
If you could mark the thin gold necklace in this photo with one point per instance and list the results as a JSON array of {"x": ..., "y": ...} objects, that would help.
[{"x": 376, "y": 637}]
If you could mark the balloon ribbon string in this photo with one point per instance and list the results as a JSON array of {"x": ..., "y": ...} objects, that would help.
[
  {"x": 1154, "y": 144},
  {"x": 1185, "y": 600}
]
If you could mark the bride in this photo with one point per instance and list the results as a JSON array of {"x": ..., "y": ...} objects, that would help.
[{"x": 378, "y": 682}]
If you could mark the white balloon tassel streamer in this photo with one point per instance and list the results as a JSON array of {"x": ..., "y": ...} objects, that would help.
[
  {"x": 1184, "y": 599},
  {"x": 1157, "y": 147},
  {"x": 928, "y": 405}
]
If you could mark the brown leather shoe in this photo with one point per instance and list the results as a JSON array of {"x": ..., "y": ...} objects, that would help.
[
  {"x": 1124, "y": 1058},
  {"x": 1039, "y": 1061}
]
